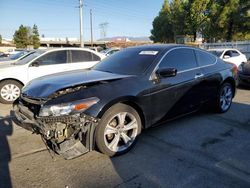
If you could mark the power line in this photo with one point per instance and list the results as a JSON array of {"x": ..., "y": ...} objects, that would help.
[{"x": 119, "y": 10}]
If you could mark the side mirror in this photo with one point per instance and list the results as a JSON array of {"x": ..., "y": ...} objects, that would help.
[
  {"x": 226, "y": 56},
  {"x": 166, "y": 72},
  {"x": 35, "y": 64}
]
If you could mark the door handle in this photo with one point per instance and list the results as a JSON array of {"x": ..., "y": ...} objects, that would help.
[{"x": 198, "y": 75}]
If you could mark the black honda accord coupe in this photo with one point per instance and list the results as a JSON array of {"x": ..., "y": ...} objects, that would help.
[{"x": 106, "y": 108}]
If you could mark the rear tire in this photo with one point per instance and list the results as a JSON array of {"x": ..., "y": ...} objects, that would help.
[
  {"x": 224, "y": 98},
  {"x": 118, "y": 130},
  {"x": 9, "y": 91}
]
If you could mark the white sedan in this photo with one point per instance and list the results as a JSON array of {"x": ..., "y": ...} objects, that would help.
[
  {"x": 13, "y": 76},
  {"x": 230, "y": 55}
]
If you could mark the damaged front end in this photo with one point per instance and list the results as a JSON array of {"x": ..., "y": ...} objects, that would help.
[{"x": 65, "y": 130}]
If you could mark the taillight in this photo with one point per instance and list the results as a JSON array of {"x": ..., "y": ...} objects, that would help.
[{"x": 234, "y": 69}]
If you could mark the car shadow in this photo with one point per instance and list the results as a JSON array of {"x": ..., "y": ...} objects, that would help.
[
  {"x": 6, "y": 129},
  {"x": 166, "y": 155},
  {"x": 243, "y": 87}
]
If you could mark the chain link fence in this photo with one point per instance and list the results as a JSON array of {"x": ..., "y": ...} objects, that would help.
[{"x": 243, "y": 46}]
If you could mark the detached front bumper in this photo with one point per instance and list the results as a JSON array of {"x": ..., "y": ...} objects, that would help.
[{"x": 69, "y": 136}]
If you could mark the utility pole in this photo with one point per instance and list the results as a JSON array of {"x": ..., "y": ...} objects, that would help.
[
  {"x": 81, "y": 23},
  {"x": 91, "y": 27}
]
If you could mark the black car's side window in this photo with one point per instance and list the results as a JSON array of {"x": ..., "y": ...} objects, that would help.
[
  {"x": 204, "y": 58},
  {"x": 181, "y": 59},
  {"x": 52, "y": 58},
  {"x": 81, "y": 56}
]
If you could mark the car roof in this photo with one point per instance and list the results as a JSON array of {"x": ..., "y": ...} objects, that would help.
[
  {"x": 159, "y": 46},
  {"x": 67, "y": 48},
  {"x": 221, "y": 49}
]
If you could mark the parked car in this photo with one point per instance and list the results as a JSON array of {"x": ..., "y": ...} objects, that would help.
[
  {"x": 110, "y": 51},
  {"x": 15, "y": 57},
  {"x": 3, "y": 55},
  {"x": 133, "y": 89},
  {"x": 11, "y": 51},
  {"x": 230, "y": 55},
  {"x": 244, "y": 74},
  {"x": 40, "y": 63},
  {"x": 97, "y": 48}
]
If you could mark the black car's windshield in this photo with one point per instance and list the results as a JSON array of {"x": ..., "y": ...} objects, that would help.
[
  {"x": 130, "y": 61},
  {"x": 29, "y": 57},
  {"x": 216, "y": 52}
]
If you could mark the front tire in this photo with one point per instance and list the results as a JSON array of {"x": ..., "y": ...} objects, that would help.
[
  {"x": 225, "y": 97},
  {"x": 9, "y": 91},
  {"x": 118, "y": 130}
]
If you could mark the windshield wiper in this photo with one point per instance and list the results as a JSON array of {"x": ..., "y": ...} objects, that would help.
[{"x": 109, "y": 71}]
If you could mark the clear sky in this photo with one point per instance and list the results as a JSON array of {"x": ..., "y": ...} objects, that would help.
[{"x": 60, "y": 18}]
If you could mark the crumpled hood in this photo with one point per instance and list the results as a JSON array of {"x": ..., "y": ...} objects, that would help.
[{"x": 43, "y": 87}]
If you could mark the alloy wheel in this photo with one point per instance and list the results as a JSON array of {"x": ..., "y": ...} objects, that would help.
[
  {"x": 121, "y": 131},
  {"x": 226, "y": 97}
]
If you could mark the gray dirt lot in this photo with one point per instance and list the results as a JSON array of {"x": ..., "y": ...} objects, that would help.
[{"x": 200, "y": 150}]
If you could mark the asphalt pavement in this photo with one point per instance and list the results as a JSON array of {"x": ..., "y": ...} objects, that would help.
[{"x": 200, "y": 150}]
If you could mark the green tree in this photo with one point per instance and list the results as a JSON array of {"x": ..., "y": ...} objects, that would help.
[
  {"x": 25, "y": 36},
  {"x": 228, "y": 18},
  {"x": 21, "y": 37},
  {"x": 196, "y": 16},
  {"x": 242, "y": 21},
  {"x": 162, "y": 26},
  {"x": 214, "y": 19},
  {"x": 1, "y": 39},
  {"x": 178, "y": 15},
  {"x": 35, "y": 37},
  {"x": 211, "y": 31}
]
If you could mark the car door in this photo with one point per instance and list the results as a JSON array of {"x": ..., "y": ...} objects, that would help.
[
  {"x": 81, "y": 59},
  {"x": 176, "y": 95},
  {"x": 49, "y": 63},
  {"x": 212, "y": 78}
]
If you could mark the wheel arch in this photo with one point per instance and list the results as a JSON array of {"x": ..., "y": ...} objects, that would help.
[
  {"x": 12, "y": 79},
  {"x": 130, "y": 101},
  {"x": 232, "y": 82}
]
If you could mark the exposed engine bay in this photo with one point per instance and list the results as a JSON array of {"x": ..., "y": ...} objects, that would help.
[{"x": 69, "y": 135}]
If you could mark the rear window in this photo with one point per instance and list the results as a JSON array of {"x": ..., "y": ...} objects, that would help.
[
  {"x": 81, "y": 56},
  {"x": 205, "y": 58}
]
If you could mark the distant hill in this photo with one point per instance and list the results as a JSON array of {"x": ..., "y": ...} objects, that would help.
[{"x": 126, "y": 38}]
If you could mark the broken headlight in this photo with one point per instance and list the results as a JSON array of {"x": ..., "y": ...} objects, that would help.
[{"x": 68, "y": 108}]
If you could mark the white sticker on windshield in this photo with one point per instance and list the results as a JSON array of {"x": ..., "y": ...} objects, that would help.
[{"x": 148, "y": 52}]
